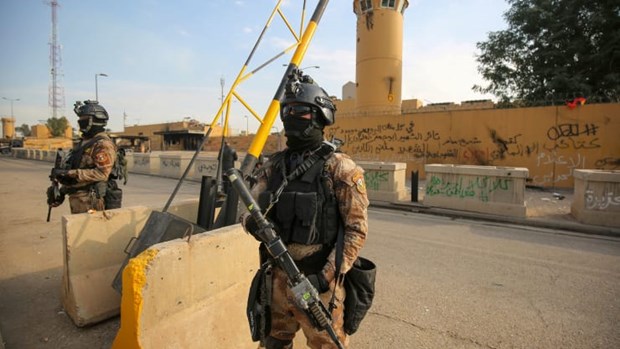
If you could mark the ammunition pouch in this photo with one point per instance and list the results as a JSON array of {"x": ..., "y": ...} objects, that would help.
[
  {"x": 113, "y": 197},
  {"x": 259, "y": 303},
  {"x": 359, "y": 283}
]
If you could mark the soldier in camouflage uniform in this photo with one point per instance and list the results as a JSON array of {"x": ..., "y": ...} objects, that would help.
[
  {"x": 85, "y": 175},
  {"x": 309, "y": 211}
]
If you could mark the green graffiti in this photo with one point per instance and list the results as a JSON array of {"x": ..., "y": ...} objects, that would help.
[
  {"x": 374, "y": 179},
  {"x": 478, "y": 187}
]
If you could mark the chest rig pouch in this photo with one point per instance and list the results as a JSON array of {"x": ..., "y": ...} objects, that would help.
[{"x": 306, "y": 212}]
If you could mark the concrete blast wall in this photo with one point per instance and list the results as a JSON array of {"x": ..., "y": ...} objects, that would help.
[
  {"x": 181, "y": 294},
  {"x": 177, "y": 294},
  {"x": 550, "y": 142}
]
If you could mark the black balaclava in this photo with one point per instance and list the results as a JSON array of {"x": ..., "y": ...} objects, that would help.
[
  {"x": 88, "y": 129},
  {"x": 302, "y": 134}
]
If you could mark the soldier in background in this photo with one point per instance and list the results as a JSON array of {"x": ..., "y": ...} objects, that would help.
[{"x": 85, "y": 174}]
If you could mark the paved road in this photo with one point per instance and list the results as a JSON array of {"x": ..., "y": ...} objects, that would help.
[{"x": 442, "y": 283}]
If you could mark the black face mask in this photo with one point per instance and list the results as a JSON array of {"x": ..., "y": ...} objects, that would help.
[
  {"x": 83, "y": 123},
  {"x": 301, "y": 134},
  {"x": 89, "y": 131}
]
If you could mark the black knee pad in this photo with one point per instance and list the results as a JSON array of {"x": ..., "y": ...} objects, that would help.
[{"x": 274, "y": 343}]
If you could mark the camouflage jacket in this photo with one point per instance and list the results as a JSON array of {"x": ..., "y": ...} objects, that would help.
[
  {"x": 347, "y": 181},
  {"x": 96, "y": 162}
]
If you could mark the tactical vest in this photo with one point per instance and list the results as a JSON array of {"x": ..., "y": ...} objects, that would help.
[{"x": 307, "y": 211}]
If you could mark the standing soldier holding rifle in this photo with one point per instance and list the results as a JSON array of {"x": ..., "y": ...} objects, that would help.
[
  {"x": 85, "y": 173},
  {"x": 310, "y": 194}
]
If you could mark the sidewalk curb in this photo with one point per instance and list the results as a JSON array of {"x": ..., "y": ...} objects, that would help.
[{"x": 532, "y": 222}]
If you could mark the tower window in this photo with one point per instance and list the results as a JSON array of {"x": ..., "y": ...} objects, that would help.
[
  {"x": 366, "y": 5},
  {"x": 388, "y": 3}
]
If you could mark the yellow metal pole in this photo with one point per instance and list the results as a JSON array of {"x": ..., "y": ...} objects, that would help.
[{"x": 258, "y": 142}]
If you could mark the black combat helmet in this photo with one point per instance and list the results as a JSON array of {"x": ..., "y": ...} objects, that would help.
[
  {"x": 91, "y": 108},
  {"x": 302, "y": 90},
  {"x": 97, "y": 117}
]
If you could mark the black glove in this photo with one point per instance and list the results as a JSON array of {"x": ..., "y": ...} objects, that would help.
[
  {"x": 319, "y": 282},
  {"x": 59, "y": 174},
  {"x": 55, "y": 197},
  {"x": 63, "y": 176}
]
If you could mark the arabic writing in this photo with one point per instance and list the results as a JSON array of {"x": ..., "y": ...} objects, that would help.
[
  {"x": 374, "y": 179},
  {"x": 207, "y": 168},
  {"x": 480, "y": 187},
  {"x": 141, "y": 160},
  {"x": 173, "y": 163},
  {"x": 602, "y": 202}
]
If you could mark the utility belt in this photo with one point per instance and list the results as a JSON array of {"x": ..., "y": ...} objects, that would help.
[
  {"x": 109, "y": 191},
  {"x": 308, "y": 265},
  {"x": 74, "y": 190}
]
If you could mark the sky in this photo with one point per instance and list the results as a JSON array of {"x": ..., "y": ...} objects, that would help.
[{"x": 165, "y": 60}]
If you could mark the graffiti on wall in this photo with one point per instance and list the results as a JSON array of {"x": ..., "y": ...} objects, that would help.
[
  {"x": 141, "y": 160},
  {"x": 480, "y": 187},
  {"x": 376, "y": 179},
  {"x": 601, "y": 202},
  {"x": 556, "y": 149},
  {"x": 207, "y": 168},
  {"x": 564, "y": 166},
  {"x": 171, "y": 163}
]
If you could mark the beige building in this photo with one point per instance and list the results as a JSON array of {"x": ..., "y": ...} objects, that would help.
[{"x": 183, "y": 135}]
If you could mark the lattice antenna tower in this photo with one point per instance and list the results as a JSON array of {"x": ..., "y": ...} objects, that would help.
[{"x": 56, "y": 98}]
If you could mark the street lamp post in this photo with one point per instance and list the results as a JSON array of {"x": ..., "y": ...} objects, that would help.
[
  {"x": 96, "y": 85},
  {"x": 246, "y": 125},
  {"x": 11, "y": 100}
]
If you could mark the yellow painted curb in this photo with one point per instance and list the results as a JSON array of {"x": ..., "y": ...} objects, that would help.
[{"x": 134, "y": 279}]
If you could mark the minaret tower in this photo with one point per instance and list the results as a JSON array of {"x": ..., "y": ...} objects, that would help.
[{"x": 379, "y": 66}]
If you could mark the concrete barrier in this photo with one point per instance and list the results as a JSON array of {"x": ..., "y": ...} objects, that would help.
[
  {"x": 596, "y": 198},
  {"x": 485, "y": 189},
  {"x": 205, "y": 165},
  {"x": 146, "y": 163},
  {"x": 181, "y": 294},
  {"x": 385, "y": 181},
  {"x": 93, "y": 246},
  {"x": 173, "y": 165}
]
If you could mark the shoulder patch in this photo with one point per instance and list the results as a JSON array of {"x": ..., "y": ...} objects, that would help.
[
  {"x": 103, "y": 158},
  {"x": 360, "y": 185}
]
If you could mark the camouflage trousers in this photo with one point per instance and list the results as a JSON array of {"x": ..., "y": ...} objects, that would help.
[
  {"x": 287, "y": 318},
  {"x": 84, "y": 200}
]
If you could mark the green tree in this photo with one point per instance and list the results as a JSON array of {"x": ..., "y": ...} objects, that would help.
[
  {"x": 554, "y": 50},
  {"x": 57, "y": 126},
  {"x": 24, "y": 129}
]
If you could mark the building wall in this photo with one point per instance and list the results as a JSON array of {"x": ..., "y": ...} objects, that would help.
[
  {"x": 549, "y": 141},
  {"x": 40, "y": 131},
  {"x": 157, "y": 141}
]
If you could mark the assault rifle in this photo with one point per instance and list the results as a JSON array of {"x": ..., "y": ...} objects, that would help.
[
  {"x": 53, "y": 192},
  {"x": 306, "y": 296}
]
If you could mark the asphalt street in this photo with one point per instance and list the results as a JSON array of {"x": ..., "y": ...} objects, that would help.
[{"x": 442, "y": 282}]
